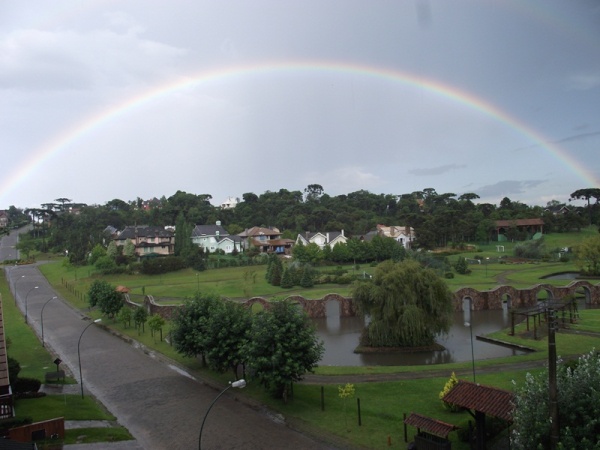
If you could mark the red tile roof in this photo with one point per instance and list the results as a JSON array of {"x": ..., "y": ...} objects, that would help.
[
  {"x": 432, "y": 426},
  {"x": 488, "y": 400}
]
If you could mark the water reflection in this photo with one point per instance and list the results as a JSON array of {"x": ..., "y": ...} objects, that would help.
[{"x": 341, "y": 336}]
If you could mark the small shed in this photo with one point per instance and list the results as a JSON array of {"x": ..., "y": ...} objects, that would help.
[
  {"x": 432, "y": 434},
  {"x": 481, "y": 401}
]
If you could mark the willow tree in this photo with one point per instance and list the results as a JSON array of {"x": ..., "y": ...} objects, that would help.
[{"x": 408, "y": 305}]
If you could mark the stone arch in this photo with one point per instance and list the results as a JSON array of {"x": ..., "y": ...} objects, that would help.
[
  {"x": 544, "y": 293},
  {"x": 497, "y": 297},
  {"x": 473, "y": 294},
  {"x": 258, "y": 301},
  {"x": 347, "y": 308}
]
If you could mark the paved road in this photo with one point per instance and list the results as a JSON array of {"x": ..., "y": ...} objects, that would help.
[{"x": 161, "y": 406}]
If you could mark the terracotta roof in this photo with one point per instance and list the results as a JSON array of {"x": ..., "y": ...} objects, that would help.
[
  {"x": 488, "y": 400},
  {"x": 122, "y": 289},
  {"x": 432, "y": 426}
]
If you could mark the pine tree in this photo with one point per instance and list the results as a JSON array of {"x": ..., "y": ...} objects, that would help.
[{"x": 286, "y": 279}]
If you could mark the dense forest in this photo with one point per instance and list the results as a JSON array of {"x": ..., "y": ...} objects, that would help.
[{"x": 438, "y": 219}]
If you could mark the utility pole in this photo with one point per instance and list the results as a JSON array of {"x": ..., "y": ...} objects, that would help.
[{"x": 553, "y": 401}]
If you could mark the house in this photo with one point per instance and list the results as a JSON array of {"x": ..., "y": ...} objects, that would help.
[
  {"x": 328, "y": 238},
  {"x": 3, "y": 219},
  {"x": 230, "y": 203},
  {"x": 558, "y": 209},
  {"x": 215, "y": 237},
  {"x": 267, "y": 240},
  {"x": 148, "y": 240},
  {"x": 400, "y": 233}
]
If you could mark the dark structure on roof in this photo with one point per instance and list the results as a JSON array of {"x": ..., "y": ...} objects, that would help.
[{"x": 481, "y": 401}]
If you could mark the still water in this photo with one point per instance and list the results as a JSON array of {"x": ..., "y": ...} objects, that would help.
[{"x": 341, "y": 336}]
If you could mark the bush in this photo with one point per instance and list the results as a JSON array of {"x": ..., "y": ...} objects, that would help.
[
  {"x": 449, "y": 275},
  {"x": 530, "y": 249},
  {"x": 25, "y": 384},
  {"x": 156, "y": 266}
]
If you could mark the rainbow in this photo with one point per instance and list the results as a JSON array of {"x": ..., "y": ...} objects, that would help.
[{"x": 137, "y": 102}]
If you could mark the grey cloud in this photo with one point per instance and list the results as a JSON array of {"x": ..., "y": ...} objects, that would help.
[
  {"x": 436, "y": 170},
  {"x": 508, "y": 187}
]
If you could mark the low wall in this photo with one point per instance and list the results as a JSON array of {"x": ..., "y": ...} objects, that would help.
[
  {"x": 492, "y": 299},
  {"x": 48, "y": 429}
]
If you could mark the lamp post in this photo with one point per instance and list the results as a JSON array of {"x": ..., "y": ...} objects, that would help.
[
  {"x": 79, "y": 353},
  {"x": 42, "y": 319},
  {"x": 236, "y": 384},
  {"x": 468, "y": 324},
  {"x": 487, "y": 261},
  {"x": 26, "y": 297}
]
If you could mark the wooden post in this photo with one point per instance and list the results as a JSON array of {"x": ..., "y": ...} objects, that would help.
[
  {"x": 359, "y": 417},
  {"x": 322, "y": 398},
  {"x": 405, "y": 429}
]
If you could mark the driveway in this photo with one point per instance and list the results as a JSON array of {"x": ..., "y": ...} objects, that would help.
[{"x": 161, "y": 405}]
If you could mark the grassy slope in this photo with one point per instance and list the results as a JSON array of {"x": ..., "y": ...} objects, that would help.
[{"x": 382, "y": 403}]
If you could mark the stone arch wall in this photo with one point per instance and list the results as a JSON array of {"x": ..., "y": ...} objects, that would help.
[
  {"x": 481, "y": 300},
  {"x": 494, "y": 296}
]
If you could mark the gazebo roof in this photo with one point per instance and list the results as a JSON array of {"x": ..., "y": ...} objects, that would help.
[
  {"x": 432, "y": 426},
  {"x": 485, "y": 399}
]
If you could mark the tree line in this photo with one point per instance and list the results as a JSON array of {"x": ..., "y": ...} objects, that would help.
[{"x": 438, "y": 219}]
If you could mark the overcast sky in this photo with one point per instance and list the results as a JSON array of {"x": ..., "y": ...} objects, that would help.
[{"x": 125, "y": 99}]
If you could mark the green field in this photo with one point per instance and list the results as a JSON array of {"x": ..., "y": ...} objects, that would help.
[{"x": 382, "y": 403}]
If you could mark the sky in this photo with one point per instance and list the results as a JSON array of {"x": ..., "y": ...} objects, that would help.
[{"x": 103, "y": 100}]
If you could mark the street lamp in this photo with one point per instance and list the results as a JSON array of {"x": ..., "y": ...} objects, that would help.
[
  {"x": 487, "y": 261},
  {"x": 42, "y": 319},
  {"x": 26, "y": 297},
  {"x": 468, "y": 324},
  {"x": 236, "y": 384},
  {"x": 79, "y": 353}
]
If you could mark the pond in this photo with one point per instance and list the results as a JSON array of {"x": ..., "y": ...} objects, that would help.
[
  {"x": 341, "y": 336},
  {"x": 562, "y": 276}
]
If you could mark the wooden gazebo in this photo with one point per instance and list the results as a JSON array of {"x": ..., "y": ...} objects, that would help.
[{"x": 481, "y": 401}]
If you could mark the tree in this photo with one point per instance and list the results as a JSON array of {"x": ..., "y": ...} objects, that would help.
[
  {"x": 587, "y": 194},
  {"x": 578, "y": 407},
  {"x": 103, "y": 295},
  {"x": 156, "y": 324},
  {"x": 283, "y": 347},
  {"x": 125, "y": 315},
  {"x": 461, "y": 266},
  {"x": 228, "y": 333},
  {"x": 140, "y": 317},
  {"x": 25, "y": 245},
  {"x": 96, "y": 253},
  {"x": 112, "y": 250},
  {"x": 408, "y": 305},
  {"x": 587, "y": 255},
  {"x": 287, "y": 281},
  {"x": 129, "y": 248},
  {"x": 190, "y": 329}
]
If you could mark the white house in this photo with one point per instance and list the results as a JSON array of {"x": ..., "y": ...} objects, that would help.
[
  {"x": 230, "y": 203},
  {"x": 215, "y": 237},
  {"x": 402, "y": 234},
  {"x": 328, "y": 238}
]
